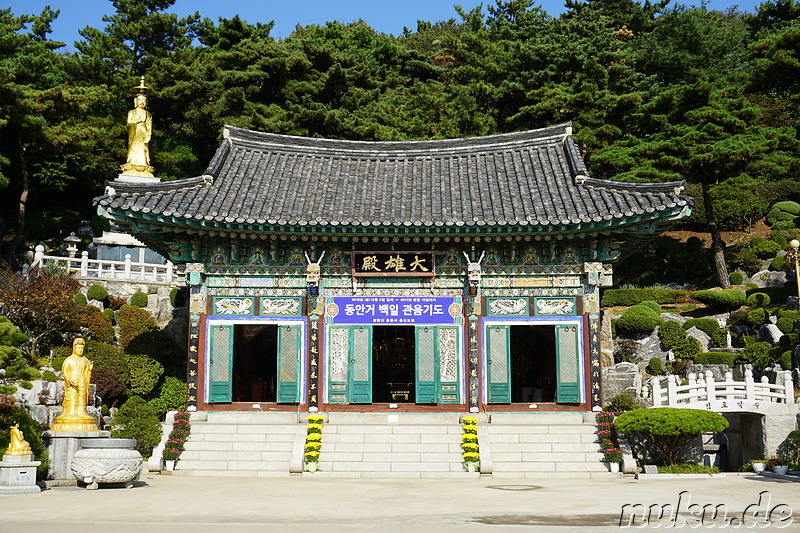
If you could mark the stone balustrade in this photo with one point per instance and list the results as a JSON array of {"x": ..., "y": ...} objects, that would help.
[{"x": 704, "y": 392}]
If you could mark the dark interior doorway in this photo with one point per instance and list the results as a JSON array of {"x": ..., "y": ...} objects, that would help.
[
  {"x": 393, "y": 364},
  {"x": 255, "y": 366},
  {"x": 533, "y": 364}
]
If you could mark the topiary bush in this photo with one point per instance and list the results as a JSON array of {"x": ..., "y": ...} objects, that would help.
[
  {"x": 139, "y": 299},
  {"x": 668, "y": 430},
  {"x": 652, "y": 305},
  {"x": 109, "y": 314},
  {"x": 736, "y": 278},
  {"x": 757, "y": 317},
  {"x": 694, "y": 244},
  {"x": 655, "y": 367},
  {"x": 716, "y": 358},
  {"x": 776, "y": 294},
  {"x": 629, "y": 297},
  {"x": 79, "y": 300},
  {"x": 158, "y": 345},
  {"x": 97, "y": 292},
  {"x": 709, "y": 326},
  {"x": 143, "y": 374},
  {"x": 673, "y": 337},
  {"x": 785, "y": 324},
  {"x": 98, "y": 326},
  {"x": 785, "y": 360},
  {"x": 758, "y": 299},
  {"x": 764, "y": 249},
  {"x": 132, "y": 322},
  {"x": 724, "y": 298},
  {"x": 136, "y": 420},
  {"x": 638, "y": 319},
  {"x": 171, "y": 396},
  {"x": 780, "y": 264},
  {"x": 790, "y": 339},
  {"x": 622, "y": 403}
]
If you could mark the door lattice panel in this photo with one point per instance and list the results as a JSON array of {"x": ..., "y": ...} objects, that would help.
[
  {"x": 426, "y": 354},
  {"x": 497, "y": 354},
  {"x": 361, "y": 354},
  {"x": 338, "y": 354},
  {"x": 288, "y": 353},
  {"x": 220, "y": 352},
  {"x": 448, "y": 354},
  {"x": 568, "y": 348}
]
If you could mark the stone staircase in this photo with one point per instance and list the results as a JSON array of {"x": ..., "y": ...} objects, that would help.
[
  {"x": 243, "y": 444},
  {"x": 541, "y": 445},
  {"x": 392, "y": 445}
]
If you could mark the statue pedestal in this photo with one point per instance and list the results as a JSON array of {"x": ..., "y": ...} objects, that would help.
[
  {"x": 18, "y": 474},
  {"x": 61, "y": 447},
  {"x": 136, "y": 178}
]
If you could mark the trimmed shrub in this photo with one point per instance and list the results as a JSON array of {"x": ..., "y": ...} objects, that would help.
[
  {"x": 622, "y": 403},
  {"x": 173, "y": 296},
  {"x": 674, "y": 338},
  {"x": 668, "y": 430},
  {"x": 133, "y": 321},
  {"x": 786, "y": 360},
  {"x": 136, "y": 420},
  {"x": 139, "y": 299},
  {"x": 776, "y": 294},
  {"x": 7, "y": 389},
  {"x": 109, "y": 314},
  {"x": 755, "y": 353},
  {"x": 725, "y": 298},
  {"x": 694, "y": 244},
  {"x": 785, "y": 324},
  {"x": 49, "y": 375},
  {"x": 109, "y": 384},
  {"x": 716, "y": 358},
  {"x": 764, "y": 249},
  {"x": 100, "y": 329},
  {"x": 709, "y": 326},
  {"x": 757, "y": 317},
  {"x": 629, "y": 297},
  {"x": 780, "y": 263},
  {"x": 158, "y": 345},
  {"x": 736, "y": 278},
  {"x": 652, "y": 305},
  {"x": 115, "y": 302},
  {"x": 143, "y": 373},
  {"x": 97, "y": 292},
  {"x": 790, "y": 339},
  {"x": 171, "y": 395},
  {"x": 655, "y": 367},
  {"x": 79, "y": 300},
  {"x": 638, "y": 319},
  {"x": 758, "y": 299}
]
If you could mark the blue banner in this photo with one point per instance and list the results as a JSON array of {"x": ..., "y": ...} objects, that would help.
[{"x": 392, "y": 310}]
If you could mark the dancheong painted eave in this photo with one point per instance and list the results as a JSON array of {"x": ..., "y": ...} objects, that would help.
[{"x": 517, "y": 180}]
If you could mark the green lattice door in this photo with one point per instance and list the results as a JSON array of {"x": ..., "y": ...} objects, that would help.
[
  {"x": 498, "y": 364},
  {"x": 289, "y": 363},
  {"x": 437, "y": 357},
  {"x": 568, "y": 364},
  {"x": 350, "y": 364},
  {"x": 220, "y": 367}
]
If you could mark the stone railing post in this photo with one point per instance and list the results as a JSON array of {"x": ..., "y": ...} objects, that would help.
[
  {"x": 711, "y": 392},
  {"x": 656, "y": 385},
  {"x": 672, "y": 392},
  {"x": 127, "y": 266},
  {"x": 84, "y": 264},
  {"x": 730, "y": 388},
  {"x": 170, "y": 272},
  {"x": 38, "y": 256},
  {"x": 788, "y": 386},
  {"x": 692, "y": 392},
  {"x": 749, "y": 385}
]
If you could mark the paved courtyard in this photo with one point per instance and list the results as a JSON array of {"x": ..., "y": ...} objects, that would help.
[{"x": 176, "y": 504}]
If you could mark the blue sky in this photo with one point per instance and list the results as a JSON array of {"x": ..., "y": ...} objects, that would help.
[{"x": 384, "y": 16}]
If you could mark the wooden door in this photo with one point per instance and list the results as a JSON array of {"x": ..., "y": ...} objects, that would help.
[
  {"x": 498, "y": 364},
  {"x": 220, "y": 367}
]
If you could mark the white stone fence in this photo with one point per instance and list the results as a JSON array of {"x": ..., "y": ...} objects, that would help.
[
  {"x": 126, "y": 270},
  {"x": 703, "y": 392}
]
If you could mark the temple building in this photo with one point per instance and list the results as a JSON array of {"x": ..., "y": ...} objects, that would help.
[{"x": 445, "y": 275}]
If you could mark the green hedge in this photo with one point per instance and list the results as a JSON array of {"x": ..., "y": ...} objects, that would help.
[
  {"x": 629, "y": 297},
  {"x": 97, "y": 292},
  {"x": 757, "y": 317},
  {"x": 725, "y": 298},
  {"x": 758, "y": 299},
  {"x": 716, "y": 358},
  {"x": 638, "y": 319},
  {"x": 139, "y": 299}
]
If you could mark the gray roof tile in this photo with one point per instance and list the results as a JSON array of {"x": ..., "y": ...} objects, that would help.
[{"x": 532, "y": 177}]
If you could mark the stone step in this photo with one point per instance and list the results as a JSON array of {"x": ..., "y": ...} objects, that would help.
[
  {"x": 242, "y": 429},
  {"x": 386, "y": 447},
  {"x": 410, "y": 429},
  {"x": 394, "y": 419},
  {"x": 566, "y": 438},
  {"x": 586, "y": 447},
  {"x": 549, "y": 466},
  {"x": 553, "y": 429},
  {"x": 536, "y": 419},
  {"x": 235, "y": 417},
  {"x": 190, "y": 464},
  {"x": 394, "y": 475}
]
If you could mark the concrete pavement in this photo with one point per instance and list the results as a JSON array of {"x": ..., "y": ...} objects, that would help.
[{"x": 177, "y": 504}]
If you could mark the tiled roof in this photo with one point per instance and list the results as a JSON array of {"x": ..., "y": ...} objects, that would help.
[{"x": 527, "y": 178}]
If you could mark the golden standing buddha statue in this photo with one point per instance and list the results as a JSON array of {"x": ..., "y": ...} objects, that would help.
[
  {"x": 140, "y": 129},
  {"x": 76, "y": 372}
]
